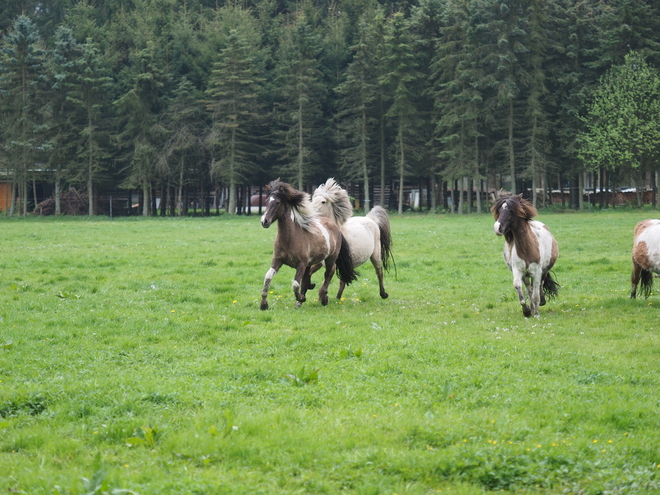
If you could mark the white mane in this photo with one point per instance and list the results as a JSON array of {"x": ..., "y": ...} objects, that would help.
[
  {"x": 304, "y": 213},
  {"x": 333, "y": 201}
]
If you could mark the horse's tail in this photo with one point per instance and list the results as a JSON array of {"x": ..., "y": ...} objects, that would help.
[
  {"x": 550, "y": 286},
  {"x": 344, "y": 263},
  {"x": 379, "y": 215},
  {"x": 646, "y": 283}
]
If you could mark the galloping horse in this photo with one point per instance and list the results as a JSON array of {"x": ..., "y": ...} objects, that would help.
[
  {"x": 369, "y": 237},
  {"x": 303, "y": 240},
  {"x": 645, "y": 256},
  {"x": 530, "y": 251}
]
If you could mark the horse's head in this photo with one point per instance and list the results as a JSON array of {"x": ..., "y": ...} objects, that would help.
[
  {"x": 283, "y": 198},
  {"x": 274, "y": 205},
  {"x": 508, "y": 211},
  {"x": 331, "y": 201}
]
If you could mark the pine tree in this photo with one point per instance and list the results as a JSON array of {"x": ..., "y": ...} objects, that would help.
[
  {"x": 457, "y": 96},
  {"x": 502, "y": 46},
  {"x": 301, "y": 93},
  {"x": 141, "y": 134},
  {"x": 22, "y": 88},
  {"x": 536, "y": 152},
  {"x": 90, "y": 95},
  {"x": 355, "y": 127},
  {"x": 185, "y": 122},
  {"x": 62, "y": 125},
  {"x": 235, "y": 106},
  {"x": 403, "y": 78}
]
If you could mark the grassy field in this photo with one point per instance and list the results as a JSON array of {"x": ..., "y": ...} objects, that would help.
[{"x": 134, "y": 359}]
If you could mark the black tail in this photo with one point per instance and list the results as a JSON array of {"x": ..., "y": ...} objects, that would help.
[
  {"x": 550, "y": 287},
  {"x": 646, "y": 283},
  {"x": 379, "y": 215},
  {"x": 345, "y": 269}
]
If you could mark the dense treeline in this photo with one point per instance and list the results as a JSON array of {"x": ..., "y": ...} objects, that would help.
[{"x": 164, "y": 95}]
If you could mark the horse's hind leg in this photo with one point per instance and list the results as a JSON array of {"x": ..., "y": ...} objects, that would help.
[
  {"x": 274, "y": 267},
  {"x": 636, "y": 276},
  {"x": 330, "y": 269},
  {"x": 342, "y": 286},
  {"x": 300, "y": 283},
  {"x": 378, "y": 266}
]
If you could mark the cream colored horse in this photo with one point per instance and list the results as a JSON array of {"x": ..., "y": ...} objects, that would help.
[{"x": 369, "y": 237}]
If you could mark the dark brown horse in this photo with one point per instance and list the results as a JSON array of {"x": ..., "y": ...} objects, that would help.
[
  {"x": 303, "y": 240},
  {"x": 530, "y": 251}
]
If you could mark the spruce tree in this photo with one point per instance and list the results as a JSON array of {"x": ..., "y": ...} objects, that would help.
[
  {"x": 355, "y": 126},
  {"x": 141, "y": 134},
  {"x": 22, "y": 89},
  {"x": 301, "y": 95},
  {"x": 235, "y": 92},
  {"x": 403, "y": 78},
  {"x": 90, "y": 95},
  {"x": 185, "y": 123}
]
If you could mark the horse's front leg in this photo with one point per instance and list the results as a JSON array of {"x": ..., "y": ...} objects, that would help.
[
  {"x": 299, "y": 284},
  {"x": 518, "y": 285},
  {"x": 535, "y": 296},
  {"x": 274, "y": 267},
  {"x": 533, "y": 283}
]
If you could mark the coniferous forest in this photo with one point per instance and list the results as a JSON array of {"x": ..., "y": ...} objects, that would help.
[{"x": 167, "y": 98}]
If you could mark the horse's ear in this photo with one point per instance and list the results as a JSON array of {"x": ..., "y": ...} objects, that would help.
[{"x": 520, "y": 196}]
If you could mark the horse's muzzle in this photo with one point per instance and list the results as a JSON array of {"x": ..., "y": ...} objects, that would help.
[
  {"x": 497, "y": 228},
  {"x": 265, "y": 223}
]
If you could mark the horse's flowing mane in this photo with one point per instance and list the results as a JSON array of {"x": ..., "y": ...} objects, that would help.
[
  {"x": 298, "y": 201},
  {"x": 520, "y": 207},
  {"x": 338, "y": 199}
]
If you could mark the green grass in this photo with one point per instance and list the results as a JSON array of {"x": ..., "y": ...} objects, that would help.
[{"x": 133, "y": 355}]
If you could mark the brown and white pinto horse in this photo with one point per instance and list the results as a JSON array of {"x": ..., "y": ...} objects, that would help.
[
  {"x": 303, "y": 240},
  {"x": 369, "y": 237},
  {"x": 645, "y": 256},
  {"x": 530, "y": 251}
]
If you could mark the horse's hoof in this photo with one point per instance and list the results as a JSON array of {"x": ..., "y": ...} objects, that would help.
[
  {"x": 311, "y": 286},
  {"x": 384, "y": 295},
  {"x": 324, "y": 300},
  {"x": 264, "y": 306},
  {"x": 298, "y": 304},
  {"x": 527, "y": 312}
]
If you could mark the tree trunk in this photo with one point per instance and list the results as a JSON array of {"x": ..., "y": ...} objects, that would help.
[
  {"x": 402, "y": 162},
  {"x": 146, "y": 202},
  {"x": 512, "y": 160},
  {"x": 58, "y": 197}
]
